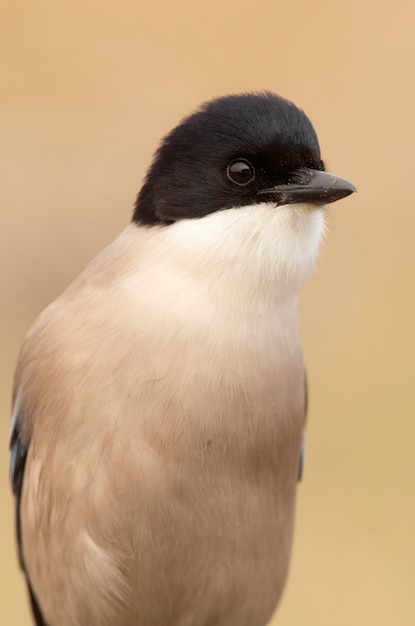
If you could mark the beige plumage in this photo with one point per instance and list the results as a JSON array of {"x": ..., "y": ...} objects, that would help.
[{"x": 161, "y": 403}]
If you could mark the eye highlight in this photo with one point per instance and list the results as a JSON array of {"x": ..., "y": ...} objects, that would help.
[{"x": 240, "y": 172}]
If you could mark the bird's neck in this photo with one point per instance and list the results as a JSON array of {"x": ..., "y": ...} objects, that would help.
[{"x": 257, "y": 251}]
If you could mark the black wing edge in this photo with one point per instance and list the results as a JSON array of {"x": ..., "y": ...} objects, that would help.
[{"x": 18, "y": 455}]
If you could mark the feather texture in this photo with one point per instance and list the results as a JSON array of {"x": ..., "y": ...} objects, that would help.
[{"x": 163, "y": 399}]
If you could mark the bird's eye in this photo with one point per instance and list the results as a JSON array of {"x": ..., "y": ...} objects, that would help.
[{"x": 240, "y": 172}]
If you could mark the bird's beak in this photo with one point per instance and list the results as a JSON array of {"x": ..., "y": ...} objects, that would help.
[{"x": 311, "y": 186}]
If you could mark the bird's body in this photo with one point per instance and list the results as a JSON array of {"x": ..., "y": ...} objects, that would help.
[{"x": 159, "y": 410}]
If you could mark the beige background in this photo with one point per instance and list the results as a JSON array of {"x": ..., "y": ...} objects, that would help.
[{"x": 87, "y": 90}]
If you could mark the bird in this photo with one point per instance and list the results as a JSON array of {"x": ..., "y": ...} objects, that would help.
[{"x": 159, "y": 403}]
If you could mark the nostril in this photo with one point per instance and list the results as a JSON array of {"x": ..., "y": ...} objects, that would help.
[{"x": 300, "y": 176}]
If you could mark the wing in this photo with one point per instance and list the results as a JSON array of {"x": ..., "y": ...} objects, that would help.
[{"x": 18, "y": 455}]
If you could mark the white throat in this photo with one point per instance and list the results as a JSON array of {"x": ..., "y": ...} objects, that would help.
[{"x": 260, "y": 248}]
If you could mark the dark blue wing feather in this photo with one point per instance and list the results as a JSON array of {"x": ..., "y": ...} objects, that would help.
[{"x": 18, "y": 455}]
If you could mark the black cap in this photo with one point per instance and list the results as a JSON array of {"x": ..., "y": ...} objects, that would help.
[{"x": 234, "y": 151}]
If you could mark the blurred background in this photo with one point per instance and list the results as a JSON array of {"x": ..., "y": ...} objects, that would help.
[{"x": 88, "y": 88}]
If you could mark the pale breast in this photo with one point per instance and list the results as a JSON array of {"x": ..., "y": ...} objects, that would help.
[{"x": 167, "y": 452}]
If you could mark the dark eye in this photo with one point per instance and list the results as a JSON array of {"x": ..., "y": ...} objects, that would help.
[{"x": 240, "y": 172}]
